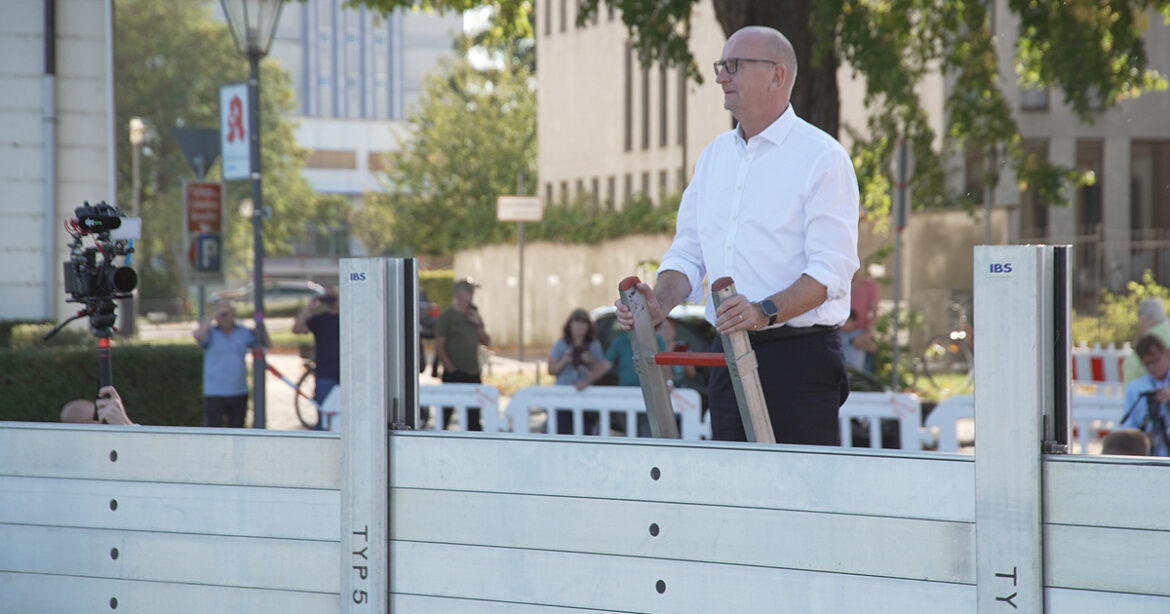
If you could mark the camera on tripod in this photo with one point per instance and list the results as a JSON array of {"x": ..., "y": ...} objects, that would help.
[{"x": 92, "y": 276}]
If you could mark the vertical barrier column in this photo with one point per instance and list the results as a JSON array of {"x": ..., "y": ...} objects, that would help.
[
  {"x": 379, "y": 389},
  {"x": 1017, "y": 385},
  {"x": 642, "y": 340},
  {"x": 745, "y": 375}
]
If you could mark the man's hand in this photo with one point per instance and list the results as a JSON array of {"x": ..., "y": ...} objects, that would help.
[
  {"x": 109, "y": 407},
  {"x": 738, "y": 314},
  {"x": 625, "y": 317},
  {"x": 1162, "y": 395}
]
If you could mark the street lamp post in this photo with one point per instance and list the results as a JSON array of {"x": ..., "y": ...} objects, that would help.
[
  {"x": 253, "y": 24},
  {"x": 137, "y": 138}
]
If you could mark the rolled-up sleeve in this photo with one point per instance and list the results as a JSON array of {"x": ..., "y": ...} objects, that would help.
[
  {"x": 686, "y": 252},
  {"x": 831, "y": 214}
]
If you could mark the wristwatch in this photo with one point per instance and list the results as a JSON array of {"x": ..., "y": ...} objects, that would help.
[{"x": 769, "y": 310}]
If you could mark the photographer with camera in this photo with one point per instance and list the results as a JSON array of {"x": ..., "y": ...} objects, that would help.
[
  {"x": 107, "y": 410},
  {"x": 1146, "y": 397},
  {"x": 326, "y": 329},
  {"x": 225, "y": 384}
]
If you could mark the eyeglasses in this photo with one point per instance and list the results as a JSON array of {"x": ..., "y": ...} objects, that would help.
[{"x": 732, "y": 64}]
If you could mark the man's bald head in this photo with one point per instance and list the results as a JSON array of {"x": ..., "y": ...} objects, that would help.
[
  {"x": 78, "y": 411},
  {"x": 776, "y": 47}
]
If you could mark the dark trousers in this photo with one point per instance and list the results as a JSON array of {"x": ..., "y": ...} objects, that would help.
[
  {"x": 215, "y": 408},
  {"x": 473, "y": 418},
  {"x": 804, "y": 385}
]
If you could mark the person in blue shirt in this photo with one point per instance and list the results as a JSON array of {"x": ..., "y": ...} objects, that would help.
[
  {"x": 1146, "y": 397},
  {"x": 225, "y": 382}
]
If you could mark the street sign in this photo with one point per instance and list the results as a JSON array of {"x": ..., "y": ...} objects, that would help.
[
  {"x": 203, "y": 221},
  {"x": 204, "y": 206},
  {"x": 200, "y": 145},
  {"x": 233, "y": 131},
  {"x": 519, "y": 209},
  {"x": 207, "y": 253}
]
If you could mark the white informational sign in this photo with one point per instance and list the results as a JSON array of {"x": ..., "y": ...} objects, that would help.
[
  {"x": 519, "y": 209},
  {"x": 233, "y": 131}
]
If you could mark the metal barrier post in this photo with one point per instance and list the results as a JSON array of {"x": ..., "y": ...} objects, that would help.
[
  {"x": 379, "y": 389},
  {"x": 745, "y": 375},
  {"x": 658, "y": 407}
]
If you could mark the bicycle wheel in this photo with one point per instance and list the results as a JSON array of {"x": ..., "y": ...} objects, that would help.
[
  {"x": 948, "y": 364},
  {"x": 306, "y": 411}
]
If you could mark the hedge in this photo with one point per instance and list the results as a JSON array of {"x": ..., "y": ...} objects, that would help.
[{"x": 160, "y": 384}]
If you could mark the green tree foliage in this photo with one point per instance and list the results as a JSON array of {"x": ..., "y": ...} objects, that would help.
[
  {"x": 170, "y": 60},
  {"x": 472, "y": 134},
  {"x": 1091, "y": 51},
  {"x": 1116, "y": 320}
]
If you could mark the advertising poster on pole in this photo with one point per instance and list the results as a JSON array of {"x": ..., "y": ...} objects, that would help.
[{"x": 233, "y": 135}]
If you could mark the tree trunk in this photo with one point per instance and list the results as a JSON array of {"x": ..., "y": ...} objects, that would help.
[{"x": 815, "y": 97}]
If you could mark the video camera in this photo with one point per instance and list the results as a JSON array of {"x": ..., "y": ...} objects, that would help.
[{"x": 91, "y": 275}]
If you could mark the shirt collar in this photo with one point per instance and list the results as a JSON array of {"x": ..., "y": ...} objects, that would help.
[{"x": 775, "y": 132}]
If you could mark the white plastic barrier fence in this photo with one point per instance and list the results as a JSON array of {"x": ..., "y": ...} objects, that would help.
[
  {"x": 461, "y": 397},
  {"x": 605, "y": 401},
  {"x": 1093, "y": 415},
  {"x": 1099, "y": 367},
  {"x": 873, "y": 408}
]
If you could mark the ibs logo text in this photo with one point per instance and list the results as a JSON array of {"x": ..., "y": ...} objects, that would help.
[{"x": 1001, "y": 267}]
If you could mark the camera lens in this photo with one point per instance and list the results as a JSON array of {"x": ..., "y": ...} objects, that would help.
[{"x": 125, "y": 279}]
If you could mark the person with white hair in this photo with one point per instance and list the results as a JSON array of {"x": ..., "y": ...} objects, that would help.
[{"x": 1152, "y": 321}]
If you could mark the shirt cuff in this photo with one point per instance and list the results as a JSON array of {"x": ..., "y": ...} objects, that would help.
[{"x": 835, "y": 288}]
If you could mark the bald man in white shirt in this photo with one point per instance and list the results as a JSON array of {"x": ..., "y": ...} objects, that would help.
[{"x": 773, "y": 205}]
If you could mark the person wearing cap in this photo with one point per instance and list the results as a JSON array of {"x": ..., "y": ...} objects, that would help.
[
  {"x": 773, "y": 205},
  {"x": 326, "y": 329},
  {"x": 459, "y": 332}
]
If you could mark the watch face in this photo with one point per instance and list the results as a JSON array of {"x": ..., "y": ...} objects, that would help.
[{"x": 769, "y": 307}]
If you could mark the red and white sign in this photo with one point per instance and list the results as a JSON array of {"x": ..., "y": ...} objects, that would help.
[
  {"x": 204, "y": 206},
  {"x": 233, "y": 131}
]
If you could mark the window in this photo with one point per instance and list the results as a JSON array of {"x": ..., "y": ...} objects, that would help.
[
  {"x": 595, "y": 196},
  {"x": 629, "y": 98},
  {"x": 1033, "y": 211},
  {"x": 564, "y": 15},
  {"x": 548, "y": 193},
  {"x": 663, "y": 94},
  {"x": 682, "y": 107},
  {"x": 1034, "y": 99},
  {"x": 661, "y": 186},
  {"x": 610, "y": 189},
  {"x": 645, "y": 108},
  {"x": 628, "y": 193},
  {"x": 547, "y": 17},
  {"x": 564, "y": 192},
  {"x": 646, "y": 184},
  {"x": 330, "y": 158}
]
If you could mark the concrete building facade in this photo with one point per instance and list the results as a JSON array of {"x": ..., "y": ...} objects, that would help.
[{"x": 56, "y": 150}]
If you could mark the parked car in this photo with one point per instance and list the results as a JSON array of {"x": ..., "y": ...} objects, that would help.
[{"x": 281, "y": 296}]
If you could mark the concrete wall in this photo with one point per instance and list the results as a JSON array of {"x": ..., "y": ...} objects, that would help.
[
  {"x": 40, "y": 185},
  {"x": 937, "y": 262}
]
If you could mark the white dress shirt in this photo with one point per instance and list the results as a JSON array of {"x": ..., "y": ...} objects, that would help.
[{"x": 766, "y": 212}]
